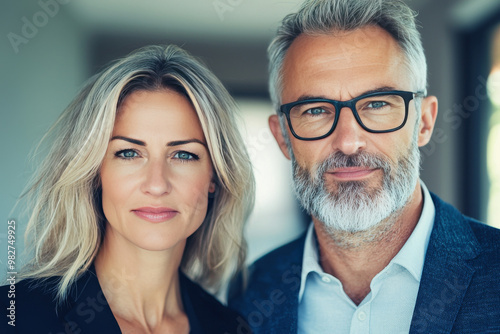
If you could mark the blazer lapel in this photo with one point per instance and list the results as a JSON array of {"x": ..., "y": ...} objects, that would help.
[
  {"x": 89, "y": 311},
  {"x": 447, "y": 271},
  {"x": 286, "y": 301}
]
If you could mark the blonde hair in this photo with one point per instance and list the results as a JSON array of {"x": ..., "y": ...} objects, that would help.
[{"x": 66, "y": 226}]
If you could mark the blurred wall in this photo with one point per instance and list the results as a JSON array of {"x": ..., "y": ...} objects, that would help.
[
  {"x": 40, "y": 74},
  {"x": 450, "y": 161},
  {"x": 440, "y": 168}
]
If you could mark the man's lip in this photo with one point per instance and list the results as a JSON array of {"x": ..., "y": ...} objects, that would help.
[
  {"x": 351, "y": 173},
  {"x": 155, "y": 214}
]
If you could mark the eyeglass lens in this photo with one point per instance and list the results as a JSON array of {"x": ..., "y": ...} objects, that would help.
[{"x": 378, "y": 113}]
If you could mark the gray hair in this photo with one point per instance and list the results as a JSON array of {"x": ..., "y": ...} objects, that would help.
[
  {"x": 65, "y": 229},
  {"x": 324, "y": 16}
]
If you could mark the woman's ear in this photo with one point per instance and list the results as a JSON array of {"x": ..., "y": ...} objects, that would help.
[{"x": 211, "y": 187}]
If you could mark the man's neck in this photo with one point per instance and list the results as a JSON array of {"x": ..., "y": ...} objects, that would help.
[{"x": 355, "y": 258}]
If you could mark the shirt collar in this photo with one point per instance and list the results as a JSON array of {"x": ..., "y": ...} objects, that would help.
[
  {"x": 310, "y": 262},
  {"x": 411, "y": 256}
]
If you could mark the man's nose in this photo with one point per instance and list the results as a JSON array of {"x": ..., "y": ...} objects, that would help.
[{"x": 348, "y": 136}]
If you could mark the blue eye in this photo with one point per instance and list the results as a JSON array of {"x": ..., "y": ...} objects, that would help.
[
  {"x": 127, "y": 154},
  {"x": 183, "y": 155},
  {"x": 315, "y": 111},
  {"x": 377, "y": 104}
]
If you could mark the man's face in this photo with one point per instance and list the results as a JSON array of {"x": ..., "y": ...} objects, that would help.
[{"x": 342, "y": 66}]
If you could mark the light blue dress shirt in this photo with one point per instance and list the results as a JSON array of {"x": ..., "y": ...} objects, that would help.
[{"x": 388, "y": 308}]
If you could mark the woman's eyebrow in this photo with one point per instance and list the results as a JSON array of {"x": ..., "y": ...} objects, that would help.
[
  {"x": 187, "y": 141},
  {"x": 130, "y": 140},
  {"x": 172, "y": 143}
]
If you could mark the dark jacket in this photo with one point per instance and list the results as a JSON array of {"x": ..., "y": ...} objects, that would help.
[
  {"x": 87, "y": 311},
  {"x": 459, "y": 289}
]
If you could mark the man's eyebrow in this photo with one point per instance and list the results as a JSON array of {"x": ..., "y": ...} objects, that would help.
[
  {"x": 380, "y": 89},
  {"x": 130, "y": 140},
  {"x": 187, "y": 141},
  {"x": 376, "y": 90}
]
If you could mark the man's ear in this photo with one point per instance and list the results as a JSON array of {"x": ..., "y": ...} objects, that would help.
[
  {"x": 274, "y": 124},
  {"x": 427, "y": 119}
]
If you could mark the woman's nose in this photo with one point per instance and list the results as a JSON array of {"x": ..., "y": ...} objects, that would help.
[{"x": 156, "y": 181}]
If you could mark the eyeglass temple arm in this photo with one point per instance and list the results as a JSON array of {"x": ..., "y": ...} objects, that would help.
[{"x": 421, "y": 93}]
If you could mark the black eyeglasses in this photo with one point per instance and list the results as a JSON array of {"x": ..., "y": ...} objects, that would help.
[{"x": 378, "y": 112}]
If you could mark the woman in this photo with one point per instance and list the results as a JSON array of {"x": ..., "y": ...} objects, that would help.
[{"x": 146, "y": 174}]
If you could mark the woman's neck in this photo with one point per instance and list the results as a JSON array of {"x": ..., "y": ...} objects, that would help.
[{"x": 141, "y": 286}]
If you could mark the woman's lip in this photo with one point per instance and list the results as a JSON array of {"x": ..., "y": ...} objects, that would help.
[
  {"x": 155, "y": 215},
  {"x": 351, "y": 173}
]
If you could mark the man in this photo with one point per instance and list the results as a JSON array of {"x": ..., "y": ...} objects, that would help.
[{"x": 382, "y": 255}]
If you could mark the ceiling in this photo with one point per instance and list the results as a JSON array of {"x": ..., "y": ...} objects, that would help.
[
  {"x": 231, "y": 36},
  {"x": 226, "y": 19},
  {"x": 202, "y": 18},
  {"x": 229, "y": 19}
]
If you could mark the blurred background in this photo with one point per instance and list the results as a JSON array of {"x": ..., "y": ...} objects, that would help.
[{"x": 49, "y": 48}]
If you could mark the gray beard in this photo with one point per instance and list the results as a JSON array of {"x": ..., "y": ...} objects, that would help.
[{"x": 355, "y": 206}]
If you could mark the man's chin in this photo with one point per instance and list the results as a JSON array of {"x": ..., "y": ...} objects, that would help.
[
  {"x": 355, "y": 208},
  {"x": 358, "y": 228},
  {"x": 351, "y": 226},
  {"x": 354, "y": 189}
]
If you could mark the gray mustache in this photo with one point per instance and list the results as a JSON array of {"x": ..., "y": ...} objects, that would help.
[{"x": 362, "y": 159}]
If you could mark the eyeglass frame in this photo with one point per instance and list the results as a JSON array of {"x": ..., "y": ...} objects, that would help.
[{"x": 351, "y": 104}]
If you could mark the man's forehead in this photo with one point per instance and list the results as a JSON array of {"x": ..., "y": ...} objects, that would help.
[
  {"x": 359, "y": 56},
  {"x": 343, "y": 48}
]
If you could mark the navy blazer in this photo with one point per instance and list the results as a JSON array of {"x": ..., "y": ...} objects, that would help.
[
  {"x": 87, "y": 311},
  {"x": 459, "y": 290}
]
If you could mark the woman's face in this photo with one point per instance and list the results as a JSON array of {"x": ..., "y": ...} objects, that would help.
[{"x": 157, "y": 171}]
